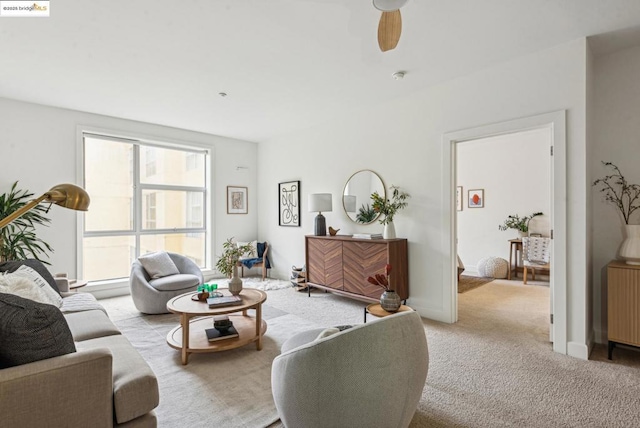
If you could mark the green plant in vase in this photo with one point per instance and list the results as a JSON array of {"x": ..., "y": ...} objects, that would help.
[
  {"x": 521, "y": 224},
  {"x": 366, "y": 214},
  {"x": 230, "y": 256},
  {"x": 18, "y": 240},
  {"x": 388, "y": 209}
]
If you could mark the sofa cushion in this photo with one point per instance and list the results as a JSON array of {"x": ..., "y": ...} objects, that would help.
[
  {"x": 158, "y": 264},
  {"x": 34, "y": 264},
  {"x": 31, "y": 331},
  {"x": 87, "y": 325},
  {"x": 175, "y": 282},
  {"x": 24, "y": 284},
  {"x": 135, "y": 387},
  {"x": 79, "y": 302}
]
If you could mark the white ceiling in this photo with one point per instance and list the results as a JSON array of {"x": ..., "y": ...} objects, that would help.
[{"x": 285, "y": 64}]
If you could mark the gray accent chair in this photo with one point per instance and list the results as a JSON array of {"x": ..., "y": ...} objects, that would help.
[
  {"x": 151, "y": 295},
  {"x": 370, "y": 375}
]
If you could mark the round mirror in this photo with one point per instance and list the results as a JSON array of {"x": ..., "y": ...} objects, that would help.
[{"x": 356, "y": 197}]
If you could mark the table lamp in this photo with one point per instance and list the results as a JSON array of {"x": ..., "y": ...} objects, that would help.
[
  {"x": 66, "y": 195},
  {"x": 319, "y": 202}
]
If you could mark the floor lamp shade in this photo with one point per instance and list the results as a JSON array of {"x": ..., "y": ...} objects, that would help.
[{"x": 319, "y": 202}]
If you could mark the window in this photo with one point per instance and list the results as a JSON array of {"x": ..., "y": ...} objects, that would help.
[{"x": 144, "y": 197}]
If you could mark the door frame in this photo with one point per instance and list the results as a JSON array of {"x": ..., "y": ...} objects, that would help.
[{"x": 556, "y": 123}]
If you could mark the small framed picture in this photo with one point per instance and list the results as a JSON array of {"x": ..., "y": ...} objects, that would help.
[
  {"x": 476, "y": 198},
  {"x": 459, "y": 198},
  {"x": 289, "y": 203},
  {"x": 237, "y": 201}
]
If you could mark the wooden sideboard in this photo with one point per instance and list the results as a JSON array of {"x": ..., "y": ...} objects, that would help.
[
  {"x": 623, "y": 304},
  {"x": 342, "y": 264}
]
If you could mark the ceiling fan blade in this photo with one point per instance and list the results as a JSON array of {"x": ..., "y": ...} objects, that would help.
[{"x": 389, "y": 30}]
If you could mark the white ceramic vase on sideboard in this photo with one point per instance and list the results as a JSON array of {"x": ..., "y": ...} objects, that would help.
[
  {"x": 389, "y": 231},
  {"x": 630, "y": 247}
]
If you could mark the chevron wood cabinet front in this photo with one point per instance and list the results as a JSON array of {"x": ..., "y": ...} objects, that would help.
[
  {"x": 623, "y": 304},
  {"x": 342, "y": 265}
]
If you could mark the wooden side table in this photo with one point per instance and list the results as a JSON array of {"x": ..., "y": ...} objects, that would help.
[
  {"x": 515, "y": 248},
  {"x": 74, "y": 284},
  {"x": 376, "y": 309}
]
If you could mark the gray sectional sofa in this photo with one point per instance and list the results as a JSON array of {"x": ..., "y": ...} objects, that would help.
[{"x": 105, "y": 383}]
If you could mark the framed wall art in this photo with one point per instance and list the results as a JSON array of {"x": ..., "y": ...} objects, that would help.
[
  {"x": 237, "y": 200},
  {"x": 476, "y": 198},
  {"x": 289, "y": 203},
  {"x": 459, "y": 198}
]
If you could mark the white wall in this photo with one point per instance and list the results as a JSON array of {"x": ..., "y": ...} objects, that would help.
[
  {"x": 514, "y": 171},
  {"x": 616, "y": 138},
  {"x": 402, "y": 141},
  {"x": 38, "y": 146}
]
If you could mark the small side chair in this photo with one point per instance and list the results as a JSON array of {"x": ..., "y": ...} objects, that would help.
[{"x": 536, "y": 254}]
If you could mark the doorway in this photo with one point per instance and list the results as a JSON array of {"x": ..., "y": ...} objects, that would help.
[{"x": 555, "y": 124}]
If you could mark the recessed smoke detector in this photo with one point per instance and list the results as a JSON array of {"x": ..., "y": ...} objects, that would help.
[
  {"x": 398, "y": 75},
  {"x": 222, "y": 94}
]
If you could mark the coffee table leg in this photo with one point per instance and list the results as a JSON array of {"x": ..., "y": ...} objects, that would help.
[
  {"x": 259, "y": 327},
  {"x": 184, "y": 320}
]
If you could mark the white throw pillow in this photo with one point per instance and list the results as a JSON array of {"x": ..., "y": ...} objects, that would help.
[
  {"x": 158, "y": 264},
  {"x": 21, "y": 285},
  {"x": 254, "y": 249},
  {"x": 327, "y": 332}
]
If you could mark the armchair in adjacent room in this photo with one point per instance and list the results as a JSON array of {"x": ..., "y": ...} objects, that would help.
[{"x": 536, "y": 254}]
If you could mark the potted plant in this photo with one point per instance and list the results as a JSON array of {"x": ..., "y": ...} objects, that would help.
[
  {"x": 521, "y": 224},
  {"x": 626, "y": 197},
  {"x": 389, "y": 300},
  {"x": 388, "y": 208},
  {"x": 227, "y": 263},
  {"x": 18, "y": 240},
  {"x": 366, "y": 214}
]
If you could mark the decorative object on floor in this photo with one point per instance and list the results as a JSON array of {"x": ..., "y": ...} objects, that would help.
[
  {"x": 365, "y": 395},
  {"x": 536, "y": 254},
  {"x": 319, "y": 202},
  {"x": 289, "y": 203},
  {"x": 237, "y": 200},
  {"x": 332, "y": 231},
  {"x": 476, "y": 198},
  {"x": 357, "y": 190},
  {"x": 299, "y": 277},
  {"x": 389, "y": 300},
  {"x": 459, "y": 198},
  {"x": 626, "y": 197},
  {"x": 150, "y": 295},
  {"x": 493, "y": 267},
  {"x": 18, "y": 240},
  {"x": 390, "y": 25},
  {"x": 468, "y": 283},
  {"x": 521, "y": 224},
  {"x": 388, "y": 208}
]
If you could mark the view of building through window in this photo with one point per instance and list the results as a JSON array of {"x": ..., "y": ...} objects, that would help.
[{"x": 144, "y": 198}]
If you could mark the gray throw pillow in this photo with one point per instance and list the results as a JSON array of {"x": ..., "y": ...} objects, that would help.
[
  {"x": 31, "y": 331},
  {"x": 158, "y": 264}
]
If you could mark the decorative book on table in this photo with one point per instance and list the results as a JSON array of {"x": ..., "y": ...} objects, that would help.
[
  {"x": 217, "y": 302},
  {"x": 367, "y": 236},
  {"x": 213, "y": 334}
]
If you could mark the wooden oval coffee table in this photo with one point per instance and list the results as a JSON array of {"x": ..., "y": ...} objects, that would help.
[{"x": 190, "y": 337}]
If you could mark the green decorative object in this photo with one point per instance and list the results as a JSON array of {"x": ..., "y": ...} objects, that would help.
[
  {"x": 229, "y": 258},
  {"x": 389, "y": 207},
  {"x": 366, "y": 214},
  {"x": 18, "y": 239}
]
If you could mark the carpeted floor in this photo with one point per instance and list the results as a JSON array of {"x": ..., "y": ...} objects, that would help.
[
  {"x": 468, "y": 283},
  {"x": 494, "y": 368}
]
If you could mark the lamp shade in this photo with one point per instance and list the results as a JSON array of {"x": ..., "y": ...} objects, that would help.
[
  {"x": 69, "y": 196},
  {"x": 389, "y": 5},
  {"x": 349, "y": 203},
  {"x": 320, "y": 202}
]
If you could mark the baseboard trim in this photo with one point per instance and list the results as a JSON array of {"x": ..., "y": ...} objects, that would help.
[{"x": 578, "y": 350}]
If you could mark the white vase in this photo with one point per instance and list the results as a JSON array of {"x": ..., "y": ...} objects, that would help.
[
  {"x": 630, "y": 247},
  {"x": 235, "y": 284},
  {"x": 522, "y": 234},
  {"x": 389, "y": 231}
]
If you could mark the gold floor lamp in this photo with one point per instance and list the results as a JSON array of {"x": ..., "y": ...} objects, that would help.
[{"x": 66, "y": 195}]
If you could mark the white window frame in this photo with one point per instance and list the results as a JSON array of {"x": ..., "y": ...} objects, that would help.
[{"x": 121, "y": 286}]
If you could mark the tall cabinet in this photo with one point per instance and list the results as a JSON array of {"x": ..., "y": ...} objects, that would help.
[
  {"x": 623, "y": 304},
  {"x": 342, "y": 264}
]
